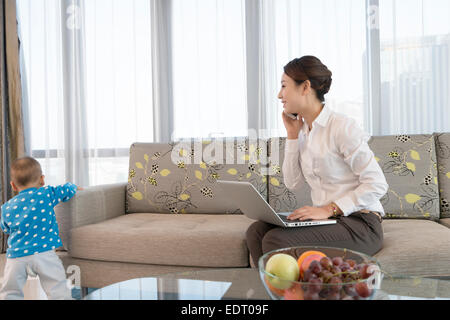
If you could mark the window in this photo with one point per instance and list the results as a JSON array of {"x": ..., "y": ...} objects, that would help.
[
  {"x": 332, "y": 30},
  {"x": 115, "y": 100},
  {"x": 415, "y": 39},
  {"x": 209, "y": 71}
]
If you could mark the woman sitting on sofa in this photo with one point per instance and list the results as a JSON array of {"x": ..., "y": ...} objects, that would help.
[{"x": 328, "y": 151}]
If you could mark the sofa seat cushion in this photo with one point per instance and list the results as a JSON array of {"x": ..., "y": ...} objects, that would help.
[
  {"x": 415, "y": 247},
  {"x": 199, "y": 240}
]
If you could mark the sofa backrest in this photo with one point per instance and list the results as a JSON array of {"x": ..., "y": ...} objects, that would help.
[
  {"x": 180, "y": 177},
  {"x": 409, "y": 165}
]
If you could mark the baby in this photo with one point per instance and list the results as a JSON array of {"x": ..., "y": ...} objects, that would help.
[{"x": 30, "y": 222}]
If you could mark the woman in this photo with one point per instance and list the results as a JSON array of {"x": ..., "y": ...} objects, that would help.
[{"x": 328, "y": 151}]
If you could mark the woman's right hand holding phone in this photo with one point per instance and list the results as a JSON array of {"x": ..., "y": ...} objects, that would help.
[{"x": 292, "y": 126}]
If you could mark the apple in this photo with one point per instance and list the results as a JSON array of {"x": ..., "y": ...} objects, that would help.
[{"x": 285, "y": 269}]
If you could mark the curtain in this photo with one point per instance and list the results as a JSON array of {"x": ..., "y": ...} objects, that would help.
[
  {"x": 209, "y": 68},
  {"x": 332, "y": 30},
  {"x": 11, "y": 123},
  {"x": 102, "y": 74},
  {"x": 415, "y": 66},
  {"x": 89, "y": 82}
]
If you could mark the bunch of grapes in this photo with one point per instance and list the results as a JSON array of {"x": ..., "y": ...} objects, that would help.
[{"x": 336, "y": 279}]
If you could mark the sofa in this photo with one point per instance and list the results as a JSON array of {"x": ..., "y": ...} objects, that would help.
[{"x": 170, "y": 216}]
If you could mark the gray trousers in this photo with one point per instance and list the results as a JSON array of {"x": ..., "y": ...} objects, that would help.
[
  {"x": 46, "y": 265},
  {"x": 360, "y": 232}
]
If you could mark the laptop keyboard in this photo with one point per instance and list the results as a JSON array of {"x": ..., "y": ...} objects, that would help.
[{"x": 284, "y": 218}]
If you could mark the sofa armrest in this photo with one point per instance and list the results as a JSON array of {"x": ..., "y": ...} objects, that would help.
[
  {"x": 91, "y": 205},
  {"x": 445, "y": 222}
]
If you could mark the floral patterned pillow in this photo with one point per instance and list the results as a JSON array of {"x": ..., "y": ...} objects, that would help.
[
  {"x": 443, "y": 157},
  {"x": 181, "y": 177},
  {"x": 410, "y": 168}
]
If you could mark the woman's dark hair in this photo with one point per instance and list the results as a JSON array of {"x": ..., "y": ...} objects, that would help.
[{"x": 312, "y": 69}]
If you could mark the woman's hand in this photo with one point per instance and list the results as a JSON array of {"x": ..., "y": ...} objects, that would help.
[
  {"x": 292, "y": 126},
  {"x": 311, "y": 213}
]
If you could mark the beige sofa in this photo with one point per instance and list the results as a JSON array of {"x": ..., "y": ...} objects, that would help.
[{"x": 171, "y": 217}]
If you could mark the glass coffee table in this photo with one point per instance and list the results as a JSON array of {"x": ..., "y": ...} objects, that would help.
[
  {"x": 245, "y": 284},
  {"x": 218, "y": 284}
]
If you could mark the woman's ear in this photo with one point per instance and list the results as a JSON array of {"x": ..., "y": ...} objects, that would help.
[{"x": 306, "y": 87}]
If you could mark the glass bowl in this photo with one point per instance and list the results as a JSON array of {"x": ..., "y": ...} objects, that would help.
[{"x": 349, "y": 276}]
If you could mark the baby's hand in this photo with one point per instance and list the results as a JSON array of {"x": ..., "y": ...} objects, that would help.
[{"x": 80, "y": 188}]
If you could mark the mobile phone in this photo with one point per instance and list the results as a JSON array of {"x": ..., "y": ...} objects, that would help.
[{"x": 293, "y": 116}]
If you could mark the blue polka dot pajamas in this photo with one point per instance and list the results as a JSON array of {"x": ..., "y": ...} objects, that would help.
[{"x": 29, "y": 220}]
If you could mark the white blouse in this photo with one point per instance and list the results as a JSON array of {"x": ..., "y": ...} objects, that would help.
[{"x": 337, "y": 163}]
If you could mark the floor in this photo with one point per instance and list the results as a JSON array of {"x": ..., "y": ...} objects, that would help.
[{"x": 33, "y": 289}]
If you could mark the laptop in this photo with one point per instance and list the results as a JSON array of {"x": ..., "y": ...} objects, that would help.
[{"x": 255, "y": 207}]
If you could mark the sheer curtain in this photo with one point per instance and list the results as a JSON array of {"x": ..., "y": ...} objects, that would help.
[
  {"x": 209, "y": 70},
  {"x": 102, "y": 74},
  {"x": 332, "y": 30},
  {"x": 415, "y": 66},
  {"x": 89, "y": 80}
]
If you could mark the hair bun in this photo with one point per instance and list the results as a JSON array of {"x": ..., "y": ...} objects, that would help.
[{"x": 325, "y": 86}]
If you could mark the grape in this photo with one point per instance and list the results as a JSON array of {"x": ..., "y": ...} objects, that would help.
[
  {"x": 315, "y": 285},
  {"x": 326, "y": 263},
  {"x": 336, "y": 270},
  {"x": 325, "y": 275},
  {"x": 345, "y": 267},
  {"x": 362, "y": 290},
  {"x": 337, "y": 261},
  {"x": 315, "y": 267},
  {"x": 364, "y": 273},
  {"x": 334, "y": 296},
  {"x": 336, "y": 279},
  {"x": 324, "y": 293},
  {"x": 313, "y": 264},
  {"x": 350, "y": 290},
  {"x": 308, "y": 295},
  {"x": 309, "y": 275},
  {"x": 351, "y": 263},
  {"x": 336, "y": 284}
]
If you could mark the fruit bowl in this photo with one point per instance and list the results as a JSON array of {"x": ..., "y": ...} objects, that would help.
[{"x": 319, "y": 273}]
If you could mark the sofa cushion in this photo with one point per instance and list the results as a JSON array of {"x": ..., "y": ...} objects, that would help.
[
  {"x": 181, "y": 177},
  {"x": 199, "y": 240},
  {"x": 281, "y": 199},
  {"x": 409, "y": 165},
  {"x": 443, "y": 160},
  {"x": 415, "y": 247},
  {"x": 445, "y": 222}
]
